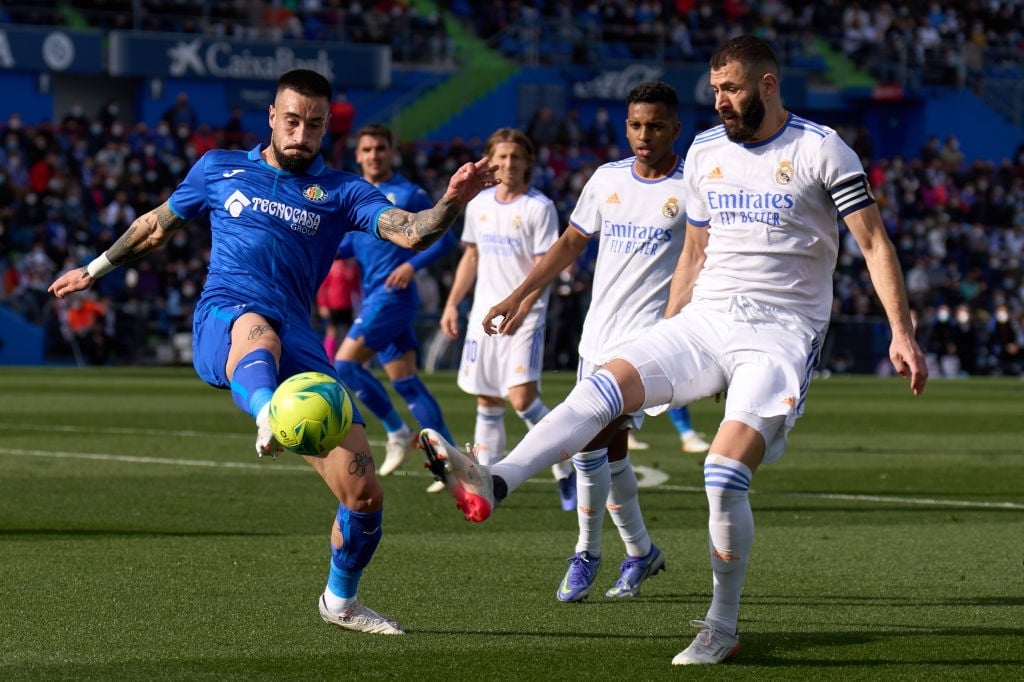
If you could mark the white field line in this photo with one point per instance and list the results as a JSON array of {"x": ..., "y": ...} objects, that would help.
[{"x": 647, "y": 476}]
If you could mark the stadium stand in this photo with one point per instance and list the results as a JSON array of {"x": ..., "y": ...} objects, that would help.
[{"x": 68, "y": 187}]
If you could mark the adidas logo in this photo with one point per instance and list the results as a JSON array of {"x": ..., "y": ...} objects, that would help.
[
  {"x": 613, "y": 199},
  {"x": 715, "y": 174}
]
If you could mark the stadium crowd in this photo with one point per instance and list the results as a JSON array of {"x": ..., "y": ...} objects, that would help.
[
  {"x": 68, "y": 188},
  {"x": 913, "y": 42}
]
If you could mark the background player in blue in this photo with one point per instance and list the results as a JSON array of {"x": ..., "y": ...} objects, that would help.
[
  {"x": 277, "y": 216},
  {"x": 384, "y": 325}
]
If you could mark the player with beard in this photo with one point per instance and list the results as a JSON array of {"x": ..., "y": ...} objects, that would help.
[
  {"x": 767, "y": 193},
  {"x": 277, "y": 216}
]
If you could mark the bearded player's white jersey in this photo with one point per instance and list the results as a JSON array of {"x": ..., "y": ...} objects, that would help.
[
  {"x": 508, "y": 236},
  {"x": 773, "y": 208},
  {"x": 640, "y": 224}
]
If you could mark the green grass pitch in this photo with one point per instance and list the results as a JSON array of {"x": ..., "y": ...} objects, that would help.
[{"x": 141, "y": 539}]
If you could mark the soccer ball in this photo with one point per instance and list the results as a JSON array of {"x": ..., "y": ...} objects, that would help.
[{"x": 310, "y": 413}]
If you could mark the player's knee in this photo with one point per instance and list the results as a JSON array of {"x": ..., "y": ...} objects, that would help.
[{"x": 348, "y": 371}]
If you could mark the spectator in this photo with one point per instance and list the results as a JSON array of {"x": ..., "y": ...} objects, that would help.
[
  {"x": 181, "y": 113},
  {"x": 343, "y": 116},
  {"x": 543, "y": 128},
  {"x": 602, "y": 132},
  {"x": 119, "y": 213},
  {"x": 233, "y": 131}
]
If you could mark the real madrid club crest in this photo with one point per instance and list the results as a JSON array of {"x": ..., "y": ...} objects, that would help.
[
  {"x": 517, "y": 222},
  {"x": 671, "y": 208},
  {"x": 784, "y": 173},
  {"x": 315, "y": 193}
]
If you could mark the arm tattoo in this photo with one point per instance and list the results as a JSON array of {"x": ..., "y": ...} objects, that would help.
[
  {"x": 259, "y": 330},
  {"x": 420, "y": 229},
  {"x": 146, "y": 233},
  {"x": 361, "y": 462}
]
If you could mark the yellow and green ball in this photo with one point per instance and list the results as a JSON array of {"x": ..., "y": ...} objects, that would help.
[{"x": 310, "y": 413}]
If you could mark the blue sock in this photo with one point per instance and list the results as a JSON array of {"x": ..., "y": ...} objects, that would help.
[
  {"x": 680, "y": 416},
  {"x": 370, "y": 392},
  {"x": 254, "y": 381},
  {"x": 422, "y": 404},
  {"x": 360, "y": 534}
]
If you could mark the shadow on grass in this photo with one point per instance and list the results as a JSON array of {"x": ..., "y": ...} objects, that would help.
[
  {"x": 976, "y": 644},
  {"x": 22, "y": 534}
]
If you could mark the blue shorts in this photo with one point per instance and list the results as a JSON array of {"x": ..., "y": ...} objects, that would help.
[
  {"x": 385, "y": 323},
  {"x": 302, "y": 348}
]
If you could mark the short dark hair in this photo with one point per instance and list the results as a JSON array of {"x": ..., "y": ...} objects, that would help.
[
  {"x": 305, "y": 82},
  {"x": 654, "y": 92},
  {"x": 377, "y": 130},
  {"x": 750, "y": 51}
]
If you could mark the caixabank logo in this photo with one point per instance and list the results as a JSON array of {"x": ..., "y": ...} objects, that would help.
[{"x": 222, "y": 59}]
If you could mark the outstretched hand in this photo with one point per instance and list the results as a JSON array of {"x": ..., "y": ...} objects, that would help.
[
  {"x": 470, "y": 179},
  {"x": 504, "y": 317},
  {"x": 70, "y": 282}
]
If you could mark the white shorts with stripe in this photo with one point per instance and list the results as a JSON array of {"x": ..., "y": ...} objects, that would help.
[
  {"x": 491, "y": 365},
  {"x": 760, "y": 356}
]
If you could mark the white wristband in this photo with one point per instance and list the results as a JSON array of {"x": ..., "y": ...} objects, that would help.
[{"x": 99, "y": 266}]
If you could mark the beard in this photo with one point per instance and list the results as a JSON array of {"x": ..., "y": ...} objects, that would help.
[
  {"x": 292, "y": 163},
  {"x": 745, "y": 125}
]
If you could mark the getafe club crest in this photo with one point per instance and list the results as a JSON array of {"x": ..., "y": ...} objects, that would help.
[
  {"x": 315, "y": 193},
  {"x": 784, "y": 173},
  {"x": 671, "y": 208}
]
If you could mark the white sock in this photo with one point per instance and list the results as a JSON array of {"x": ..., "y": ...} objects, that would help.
[
  {"x": 591, "y": 405},
  {"x": 489, "y": 434},
  {"x": 624, "y": 506},
  {"x": 562, "y": 470},
  {"x": 532, "y": 415},
  {"x": 404, "y": 432},
  {"x": 336, "y": 604},
  {"x": 730, "y": 536},
  {"x": 593, "y": 479}
]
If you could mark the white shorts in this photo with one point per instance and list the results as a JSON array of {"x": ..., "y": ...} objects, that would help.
[
  {"x": 491, "y": 365},
  {"x": 760, "y": 356},
  {"x": 584, "y": 369}
]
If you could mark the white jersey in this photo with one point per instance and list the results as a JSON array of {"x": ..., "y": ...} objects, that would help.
[
  {"x": 771, "y": 207},
  {"x": 509, "y": 237},
  {"x": 640, "y": 224}
]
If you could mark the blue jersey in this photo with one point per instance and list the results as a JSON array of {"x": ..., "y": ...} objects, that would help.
[
  {"x": 275, "y": 233},
  {"x": 378, "y": 258}
]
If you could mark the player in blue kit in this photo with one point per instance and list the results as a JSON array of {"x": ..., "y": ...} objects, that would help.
[
  {"x": 277, "y": 216},
  {"x": 384, "y": 325}
]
